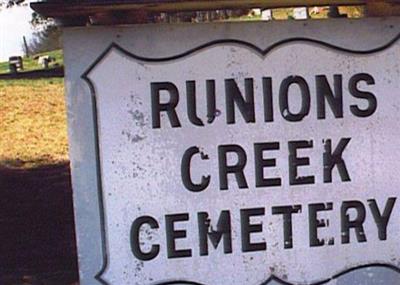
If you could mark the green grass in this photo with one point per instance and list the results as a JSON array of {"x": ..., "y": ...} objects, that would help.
[
  {"x": 30, "y": 82},
  {"x": 31, "y": 64}
]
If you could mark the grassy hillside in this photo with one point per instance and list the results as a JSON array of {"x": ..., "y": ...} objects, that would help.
[
  {"x": 31, "y": 64},
  {"x": 33, "y": 123}
]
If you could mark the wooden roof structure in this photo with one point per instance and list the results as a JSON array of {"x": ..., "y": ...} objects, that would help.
[{"x": 81, "y": 10}]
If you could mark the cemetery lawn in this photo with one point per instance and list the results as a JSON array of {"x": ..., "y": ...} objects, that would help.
[
  {"x": 32, "y": 64},
  {"x": 32, "y": 123}
]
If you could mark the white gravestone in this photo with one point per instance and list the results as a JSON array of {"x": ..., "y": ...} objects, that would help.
[
  {"x": 266, "y": 15},
  {"x": 300, "y": 13}
]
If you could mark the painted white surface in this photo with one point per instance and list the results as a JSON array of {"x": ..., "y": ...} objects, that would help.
[
  {"x": 141, "y": 166},
  {"x": 116, "y": 79}
]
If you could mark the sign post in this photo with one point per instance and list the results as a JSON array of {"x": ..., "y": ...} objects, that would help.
[{"x": 236, "y": 153}]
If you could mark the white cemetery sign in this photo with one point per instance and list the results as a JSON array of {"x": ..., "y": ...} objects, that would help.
[{"x": 233, "y": 164}]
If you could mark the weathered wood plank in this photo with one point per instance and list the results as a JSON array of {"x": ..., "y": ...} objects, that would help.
[{"x": 378, "y": 8}]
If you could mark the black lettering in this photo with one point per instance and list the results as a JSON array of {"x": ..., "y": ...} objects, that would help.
[
  {"x": 334, "y": 99},
  {"x": 284, "y": 98},
  {"x": 237, "y": 169},
  {"x": 248, "y": 229},
  {"x": 356, "y": 224},
  {"x": 287, "y": 212},
  {"x": 135, "y": 242},
  {"x": 295, "y": 162},
  {"x": 206, "y": 232},
  {"x": 315, "y": 223},
  {"x": 355, "y": 92},
  {"x": 185, "y": 171},
  {"x": 173, "y": 234},
  {"x": 234, "y": 96},
  {"x": 191, "y": 103},
  {"x": 261, "y": 163},
  {"x": 211, "y": 101},
  {"x": 267, "y": 92},
  {"x": 157, "y": 107},
  {"x": 382, "y": 220},
  {"x": 335, "y": 159}
]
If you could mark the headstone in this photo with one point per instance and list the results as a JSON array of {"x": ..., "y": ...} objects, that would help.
[
  {"x": 256, "y": 12},
  {"x": 15, "y": 64},
  {"x": 300, "y": 13},
  {"x": 266, "y": 15},
  {"x": 248, "y": 154}
]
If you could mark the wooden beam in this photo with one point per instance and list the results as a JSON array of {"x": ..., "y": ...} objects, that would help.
[
  {"x": 78, "y": 9},
  {"x": 379, "y": 8}
]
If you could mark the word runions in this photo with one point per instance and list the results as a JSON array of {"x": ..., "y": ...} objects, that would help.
[{"x": 252, "y": 166}]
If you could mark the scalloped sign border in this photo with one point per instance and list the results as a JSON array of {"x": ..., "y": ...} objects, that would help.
[{"x": 256, "y": 49}]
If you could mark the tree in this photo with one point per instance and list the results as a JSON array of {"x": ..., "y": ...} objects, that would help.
[
  {"x": 47, "y": 36},
  {"x": 46, "y": 39},
  {"x": 10, "y": 3}
]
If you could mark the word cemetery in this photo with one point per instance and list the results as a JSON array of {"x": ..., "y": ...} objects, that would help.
[
  {"x": 237, "y": 102},
  {"x": 249, "y": 154}
]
